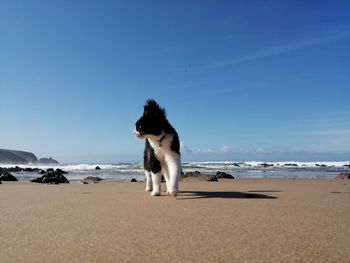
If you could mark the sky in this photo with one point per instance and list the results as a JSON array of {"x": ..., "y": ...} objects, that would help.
[{"x": 240, "y": 80}]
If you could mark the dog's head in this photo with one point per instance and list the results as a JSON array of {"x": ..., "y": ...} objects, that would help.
[{"x": 151, "y": 122}]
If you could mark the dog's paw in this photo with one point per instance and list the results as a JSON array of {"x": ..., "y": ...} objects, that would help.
[
  {"x": 154, "y": 193},
  {"x": 174, "y": 194}
]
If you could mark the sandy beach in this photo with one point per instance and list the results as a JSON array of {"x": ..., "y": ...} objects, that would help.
[{"x": 245, "y": 220}]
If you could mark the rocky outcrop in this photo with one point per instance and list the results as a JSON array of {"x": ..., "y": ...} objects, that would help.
[
  {"x": 47, "y": 161},
  {"x": 342, "y": 176},
  {"x": 7, "y": 156},
  {"x": 52, "y": 177},
  {"x": 6, "y": 176}
]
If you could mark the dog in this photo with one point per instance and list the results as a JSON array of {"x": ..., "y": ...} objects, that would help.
[{"x": 162, "y": 149}]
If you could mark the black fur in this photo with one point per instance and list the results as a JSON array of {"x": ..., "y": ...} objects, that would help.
[
  {"x": 154, "y": 122},
  {"x": 150, "y": 161}
]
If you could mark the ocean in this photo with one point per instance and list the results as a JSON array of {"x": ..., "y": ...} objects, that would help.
[{"x": 253, "y": 169}]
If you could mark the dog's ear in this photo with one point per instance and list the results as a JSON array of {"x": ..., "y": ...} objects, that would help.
[{"x": 152, "y": 108}]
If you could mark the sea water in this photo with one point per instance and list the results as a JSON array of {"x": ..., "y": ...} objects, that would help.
[{"x": 253, "y": 169}]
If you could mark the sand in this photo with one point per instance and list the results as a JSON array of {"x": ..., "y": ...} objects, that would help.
[{"x": 245, "y": 220}]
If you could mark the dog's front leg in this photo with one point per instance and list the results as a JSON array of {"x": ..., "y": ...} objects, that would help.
[
  {"x": 156, "y": 180},
  {"x": 149, "y": 186},
  {"x": 165, "y": 172}
]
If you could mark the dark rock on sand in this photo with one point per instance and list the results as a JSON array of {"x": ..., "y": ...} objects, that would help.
[
  {"x": 220, "y": 175},
  {"x": 133, "y": 180},
  {"x": 320, "y": 165},
  {"x": 6, "y": 176},
  {"x": 346, "y": 165},
  {"x": 343, "y": 176},
  {"x": 58, "y": 170},
  {"x": 92, "y": 179},
  {"x": 51, "y": 177},
  {"x": 97, "y": 168},
  {"x": 207, "y": 177},
  {"x": 212, "y": 178},
  {"x": 191, "y": 174}
]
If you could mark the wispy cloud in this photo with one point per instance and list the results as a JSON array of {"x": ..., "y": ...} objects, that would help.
[
  {"x": 223, "y": 150},
  {"x": 277, "y": 50}
]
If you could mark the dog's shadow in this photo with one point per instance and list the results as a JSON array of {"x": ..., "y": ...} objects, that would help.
[{"x": 225, "y": 194}]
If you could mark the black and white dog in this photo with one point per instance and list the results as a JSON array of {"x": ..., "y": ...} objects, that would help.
[{"x": 162, "y": 149}]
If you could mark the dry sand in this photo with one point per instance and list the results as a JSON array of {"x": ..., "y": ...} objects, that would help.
[{"x": 246, "y": 220}]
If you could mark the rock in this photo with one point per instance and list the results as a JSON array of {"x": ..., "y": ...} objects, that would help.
[
  {"x": 92, "y": 179},
  {"x": 191, "y": 174},
  {"x": 6, "y": 176},
  {"x": 58, "y": 170},
  {"x": 0, "y": 182},
  {"x": 320, "y": 165},
  {"x": 290, "y": 164},
  {"x": 265, "y": 165},
  {"x": 13, "y": 169},
  {"x": 47, "y": 161},
  {"x": 41, "y": 171},
  {"x": 223, "y": 175},
  {"x": 51, "y": 177},
  {"x": 97, "y": 168},
  {"x": 342, "y": 176},
  {"x": 346, "y": 165},
  {"x": 212, "y": 178},
  {"x": 133, "y": 180}
]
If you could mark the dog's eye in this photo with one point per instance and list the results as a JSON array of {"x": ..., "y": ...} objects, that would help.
[{"x": 139, "y": 127}]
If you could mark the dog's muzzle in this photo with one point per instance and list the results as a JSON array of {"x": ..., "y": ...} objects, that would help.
[{"x": 138, "y": 134}]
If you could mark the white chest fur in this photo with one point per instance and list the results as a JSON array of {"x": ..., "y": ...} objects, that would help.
[{"x": 162, "y": 146}]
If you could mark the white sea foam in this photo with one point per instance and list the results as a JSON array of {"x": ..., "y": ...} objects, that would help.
[{"x": 251, "y": 169}]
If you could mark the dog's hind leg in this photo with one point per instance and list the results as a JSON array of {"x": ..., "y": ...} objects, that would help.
[
  {"x": 174, "y": 166},
  {"x": 149, "y": 186}
]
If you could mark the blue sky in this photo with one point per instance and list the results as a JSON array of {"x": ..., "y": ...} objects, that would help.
[{"x": 241, "y": 80}]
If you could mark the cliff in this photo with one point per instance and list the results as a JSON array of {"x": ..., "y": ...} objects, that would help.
[{"x": 22, "y": 157}]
